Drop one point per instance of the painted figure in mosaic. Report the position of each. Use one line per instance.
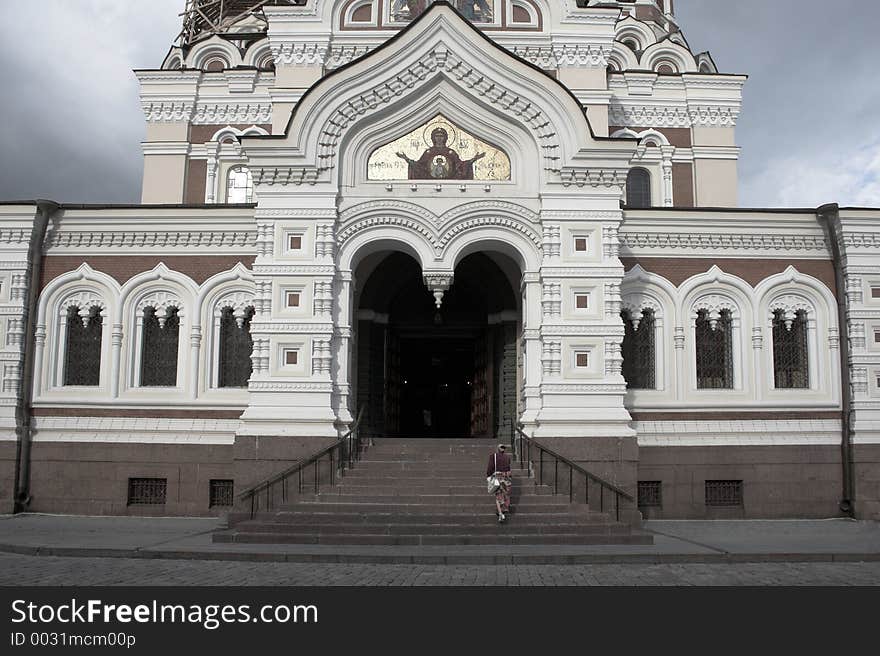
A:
(439, 162)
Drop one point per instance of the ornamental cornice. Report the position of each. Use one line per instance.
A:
(295, 269)
(352, 213)
(648, 116)
(293, 213)
(345, 54)
(586, 177)
(462, 73)
(585, 272)
(713, 116)
(693, 240)
(861, 239)
(285, 175)
(581, 215)
(222, 114)
(168, 111)
(556, 388)
(187, 239)
(557, 330)
(273, 386)
(582, 55)
(300, 54)
(15, 236)
(283, 327)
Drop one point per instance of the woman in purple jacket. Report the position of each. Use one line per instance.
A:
(499, 465)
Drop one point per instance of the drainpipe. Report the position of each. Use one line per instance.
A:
(23, 429)
(829, 215)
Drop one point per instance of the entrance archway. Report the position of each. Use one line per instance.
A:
(424, 371)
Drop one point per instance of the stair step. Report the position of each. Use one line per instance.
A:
(500, 538)
(486, 526)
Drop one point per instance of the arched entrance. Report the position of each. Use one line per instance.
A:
(437, 372)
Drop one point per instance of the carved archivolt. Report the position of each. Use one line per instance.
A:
(714, 304)
(84, 300)
(162, 302)
(790, 305)
(238, 302)
(439, 60)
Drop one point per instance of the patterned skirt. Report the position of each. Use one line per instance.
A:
(503, 493)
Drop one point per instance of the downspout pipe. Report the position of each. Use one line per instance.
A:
(23, 424)
(829, 216)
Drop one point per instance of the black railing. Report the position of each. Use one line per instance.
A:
(339, 456)
(532, 453)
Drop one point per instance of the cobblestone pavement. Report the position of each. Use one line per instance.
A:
(41, 570)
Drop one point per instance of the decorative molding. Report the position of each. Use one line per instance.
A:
(581, 176)
(168, 111)
(284, 176)
(165, 239)
(648, 116)
(283, 386)
(223, 114)
(238, 302)
(300, 54)
(340, 55)
(696, 240)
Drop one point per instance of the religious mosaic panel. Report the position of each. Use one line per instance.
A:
(476, 11)
(438, 150)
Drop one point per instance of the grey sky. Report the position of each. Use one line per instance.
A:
(71, 124)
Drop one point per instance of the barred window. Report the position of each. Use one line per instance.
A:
(159, 348)
(235, 348)
(221, 493)
(714, 350)
(82, 352)
(638, 188)
(147, 491)
(639, 351)
(790, 359)
(724, 494)
(240, 185)
(650, 494)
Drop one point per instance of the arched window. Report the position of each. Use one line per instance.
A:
(82, 351)
(161, 336)
(790, 359)
(639, 359)
(638, 188)
(240, 186)
(235, 348)
(714, 350)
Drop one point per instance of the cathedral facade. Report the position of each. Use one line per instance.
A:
(458, 218)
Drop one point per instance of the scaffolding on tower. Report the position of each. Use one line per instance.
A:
(204, 18)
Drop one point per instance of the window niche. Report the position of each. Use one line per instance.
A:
(639, 349)
(159, 347)
(790, 350)
(235, 347)
(713, 333)
(82, 347)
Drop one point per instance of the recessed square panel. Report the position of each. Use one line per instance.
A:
(582, 359)
(291, 357)
(293, 299)
(294, 242)
(582, 301)
(581, 244)
(875, 292)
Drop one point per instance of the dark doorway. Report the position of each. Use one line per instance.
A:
(437, 373)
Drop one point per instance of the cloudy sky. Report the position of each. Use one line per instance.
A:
(71, 125)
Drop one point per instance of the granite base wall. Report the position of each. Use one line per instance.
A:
(779, 482)
(7, 477)
(92, 478)
(866, 459)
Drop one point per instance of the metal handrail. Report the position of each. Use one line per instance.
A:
(525, 456)
(346, 450)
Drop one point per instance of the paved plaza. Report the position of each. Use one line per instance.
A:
(63, 550)
(36, 570)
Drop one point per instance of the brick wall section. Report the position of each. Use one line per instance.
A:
(196, 177)
(199, 134)
(683, 185)
(124, 267)
(678, 137)
(677, 270)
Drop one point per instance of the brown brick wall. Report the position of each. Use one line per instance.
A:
(677, 270)
(196, 177)
(199, 134)
(678, 137)
(683, 185)
(124, 267)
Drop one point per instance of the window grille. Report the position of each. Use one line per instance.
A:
(221, 493)
(240, 185)
(638, 188)
(235, 349)
(147, 491)
(639, 360)
(790, 359)
(82, 353)
(714, 351)
(650, 494)
(724, 494)
(159, 349)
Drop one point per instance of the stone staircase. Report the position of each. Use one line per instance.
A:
(429, 492)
